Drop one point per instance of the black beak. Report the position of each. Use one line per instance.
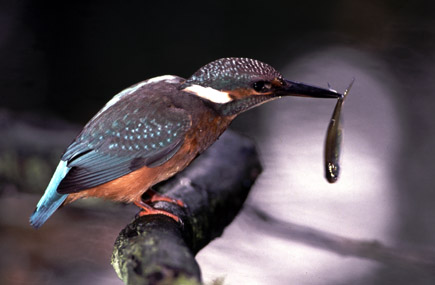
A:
(291, 88)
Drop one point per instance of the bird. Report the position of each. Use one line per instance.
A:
(154, 129)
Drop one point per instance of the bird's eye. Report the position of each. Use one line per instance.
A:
(262, 86)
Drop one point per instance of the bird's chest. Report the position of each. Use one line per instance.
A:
(205, 130)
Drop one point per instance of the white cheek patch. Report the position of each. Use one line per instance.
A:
(209, 93)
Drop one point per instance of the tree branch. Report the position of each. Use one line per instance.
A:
(155, 249)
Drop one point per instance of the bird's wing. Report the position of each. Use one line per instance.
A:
(123, 139)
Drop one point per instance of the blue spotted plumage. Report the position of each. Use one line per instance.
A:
(111, 145)
(154, 129)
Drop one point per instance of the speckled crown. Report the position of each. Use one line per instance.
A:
(232, 72)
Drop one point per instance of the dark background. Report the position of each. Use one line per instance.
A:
(61, 61)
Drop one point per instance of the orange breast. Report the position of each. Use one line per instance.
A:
(131, 186)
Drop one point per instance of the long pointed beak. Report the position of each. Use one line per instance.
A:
(292, 88)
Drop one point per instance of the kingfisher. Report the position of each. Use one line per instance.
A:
(154, 129)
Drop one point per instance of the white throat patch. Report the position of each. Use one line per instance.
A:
(209, 93)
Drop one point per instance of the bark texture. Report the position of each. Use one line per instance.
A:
(157, 250)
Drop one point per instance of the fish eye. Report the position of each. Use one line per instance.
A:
(262, 86)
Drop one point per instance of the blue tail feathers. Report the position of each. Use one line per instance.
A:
(51, 200)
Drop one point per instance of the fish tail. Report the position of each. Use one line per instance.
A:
(51, 200)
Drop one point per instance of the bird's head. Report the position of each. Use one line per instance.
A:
(234, 85)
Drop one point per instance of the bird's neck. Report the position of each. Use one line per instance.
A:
(240, 105)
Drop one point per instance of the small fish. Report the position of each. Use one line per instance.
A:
(334, 137)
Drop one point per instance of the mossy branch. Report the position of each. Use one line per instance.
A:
(157, 250)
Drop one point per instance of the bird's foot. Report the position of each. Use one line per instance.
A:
(148, 210)
(156, 197)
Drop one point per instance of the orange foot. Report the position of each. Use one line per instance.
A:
(156, 197)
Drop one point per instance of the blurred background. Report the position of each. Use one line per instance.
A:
(61, 62)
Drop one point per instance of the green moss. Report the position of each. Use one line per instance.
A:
(197, 231)
(183, 280)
